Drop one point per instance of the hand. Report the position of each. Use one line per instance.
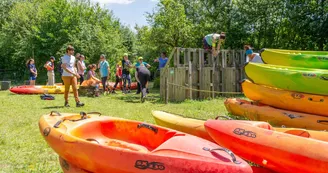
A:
(108, 77)
(78, 76)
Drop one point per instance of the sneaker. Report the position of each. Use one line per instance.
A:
(129, 91)
(79, 104)
(113, 92)
(66, 104)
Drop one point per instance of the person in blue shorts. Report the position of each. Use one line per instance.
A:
(33, 72)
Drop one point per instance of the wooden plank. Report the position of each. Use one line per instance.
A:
(190, 79)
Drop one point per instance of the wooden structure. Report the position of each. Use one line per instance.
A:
(197, 75)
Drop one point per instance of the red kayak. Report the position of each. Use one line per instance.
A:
(38, 89)
(263, 145)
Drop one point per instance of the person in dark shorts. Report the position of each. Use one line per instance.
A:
(143, 77)
(126, 65)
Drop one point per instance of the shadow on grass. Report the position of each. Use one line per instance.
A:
(54, 107)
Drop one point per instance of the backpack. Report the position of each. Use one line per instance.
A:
(47, 97)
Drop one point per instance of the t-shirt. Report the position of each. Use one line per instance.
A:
(257, 59)
(119, 71)
(90, 74)
(162, 62)
(32, 67)
(69, 60)
(125, 66)
(143, 64)
(79, 69)
(209, 38)
(104, 68)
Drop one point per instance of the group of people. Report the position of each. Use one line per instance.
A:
(71, 71)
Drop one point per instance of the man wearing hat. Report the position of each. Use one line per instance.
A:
(126, 65)
(50, 66)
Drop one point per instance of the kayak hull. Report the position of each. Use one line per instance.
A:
(288, 100)
(271, 149)
(305, 80)
(276, 117)
(107, 144)
(308, 59)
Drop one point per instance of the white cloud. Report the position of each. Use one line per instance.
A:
(114, 1)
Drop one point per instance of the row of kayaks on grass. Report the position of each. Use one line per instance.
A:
(94, 143)
(56, 89)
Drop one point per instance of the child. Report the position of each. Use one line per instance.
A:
(91, 77)
(33, 72)
(118, 77)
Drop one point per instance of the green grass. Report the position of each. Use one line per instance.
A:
(23, 149)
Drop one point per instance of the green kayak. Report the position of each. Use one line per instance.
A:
(295, 58)
(306, 80)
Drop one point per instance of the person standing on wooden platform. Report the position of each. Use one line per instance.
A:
(212, 42)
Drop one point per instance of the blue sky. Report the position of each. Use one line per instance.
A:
(130, 12)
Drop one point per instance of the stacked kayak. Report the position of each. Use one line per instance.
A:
(305, 80)
(308, 59)
(39, 89)
(276, 117)
(93, 143)
(275, 150)
(284, 99)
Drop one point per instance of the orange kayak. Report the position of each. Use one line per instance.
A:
(70, 168)
(106, 144)
(283, 99)
(276, 117)
(275, 150)
(92, 82)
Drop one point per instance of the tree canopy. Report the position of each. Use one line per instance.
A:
(43, 28)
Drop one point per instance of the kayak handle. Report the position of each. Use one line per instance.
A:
(223, 116)
(323, 77)
(234, 160)
(58, 123)
(154, 129)
(52, 113)
(83, 117)
(322, 121)
(321, 100)
(92, 140)
(94, 113)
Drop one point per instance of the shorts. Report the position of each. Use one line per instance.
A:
(32, 78)
(206, 45)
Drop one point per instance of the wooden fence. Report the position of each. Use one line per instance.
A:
(196, 74)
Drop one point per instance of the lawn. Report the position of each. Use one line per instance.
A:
(22, 148)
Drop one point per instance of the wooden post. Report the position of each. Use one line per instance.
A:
(166, 90)
(190, 79)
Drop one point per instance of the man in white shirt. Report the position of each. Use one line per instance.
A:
(70, 76)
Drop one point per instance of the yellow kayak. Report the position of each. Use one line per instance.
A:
(196, 127)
